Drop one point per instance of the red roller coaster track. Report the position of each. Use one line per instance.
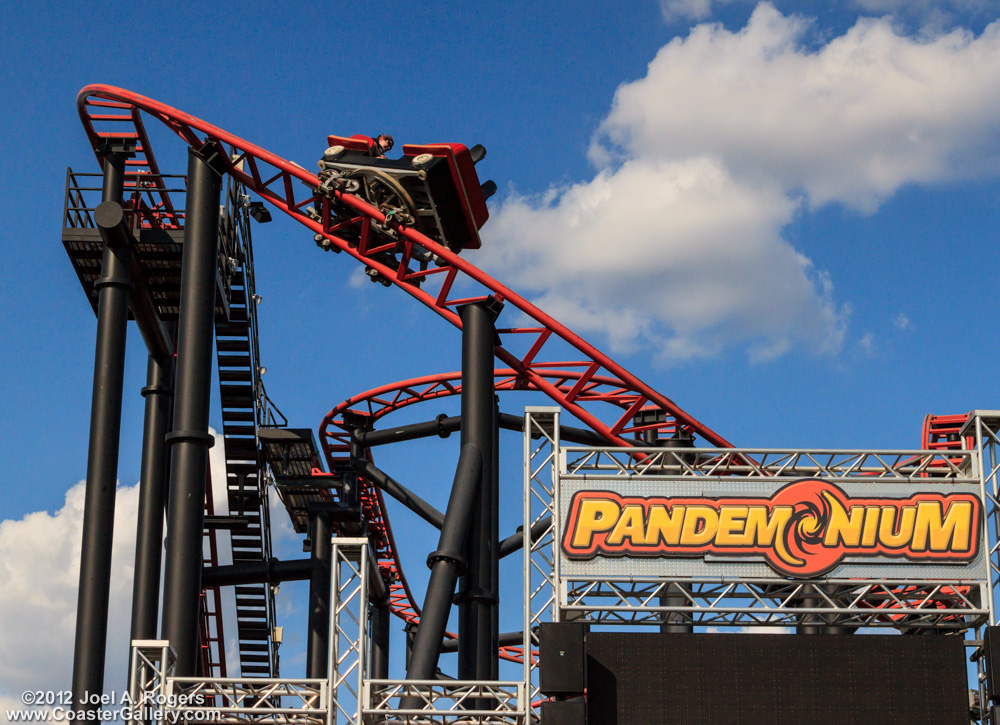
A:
(592, 377)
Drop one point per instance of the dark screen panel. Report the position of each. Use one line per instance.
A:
(644, 679)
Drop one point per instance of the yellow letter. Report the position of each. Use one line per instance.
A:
(594, 515)
(844, 526)
(954, 533)
(732, 522)
(763, 530)
(664, 525)
(871, 525)
(893, 518)
(629, 524)
(700, 525)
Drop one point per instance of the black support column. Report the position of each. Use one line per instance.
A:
(102, 457)
(318, 643)
(190, 438)
(446, 563)
(478, 628)
(153, 478)
(381, 619)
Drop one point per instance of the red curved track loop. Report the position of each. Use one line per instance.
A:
(105, 110)
(335, 438)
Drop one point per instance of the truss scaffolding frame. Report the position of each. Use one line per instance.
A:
(903, 602)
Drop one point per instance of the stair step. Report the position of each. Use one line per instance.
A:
(234, 361)
(242, 448)
(238, 430)
(241, 344)
(236, 376)
(233, 329)
(237, 416)
(251, 601)
(253, 658)
(236, 393)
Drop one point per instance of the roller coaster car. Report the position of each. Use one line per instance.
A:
(434, 187)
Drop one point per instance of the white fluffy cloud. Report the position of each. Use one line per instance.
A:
(679, 252)
(40, 569)
(676, 242)
(40, 565)
(686, 9)
(851, 122)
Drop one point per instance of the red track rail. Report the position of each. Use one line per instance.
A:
(335, 438)
(273, 178)
(112, 113)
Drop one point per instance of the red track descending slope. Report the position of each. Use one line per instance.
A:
(107, 112)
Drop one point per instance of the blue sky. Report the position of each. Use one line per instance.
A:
(781, 216)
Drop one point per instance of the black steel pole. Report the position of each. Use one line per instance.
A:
(442, 426)
(515, 541)
(808, 623)
(257, 572)
(446, 563)
(102, 458)
(318, 642)
(381, 618)
(159, 393)
(398, 491)
(478, 637)
(190, 437)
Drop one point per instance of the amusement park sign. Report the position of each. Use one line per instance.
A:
(803, 529)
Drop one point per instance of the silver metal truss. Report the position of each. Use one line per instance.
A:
(623, 597)
(151, 664)
(770, 463)
(900, 604)
(264, 701)
(984, 428)
(541, 562)
(347, 663)
(454, 701)
(271, 701)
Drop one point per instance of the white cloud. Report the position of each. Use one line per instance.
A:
(685, 9)
(680, 254)
(40, 568)
(851, 122)
(676, 242)
(902, 322)
(40, 561)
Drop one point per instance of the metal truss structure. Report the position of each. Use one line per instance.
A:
(740, 601)
(348, 696)
(348, 622)
(541, 517)
(452, 701)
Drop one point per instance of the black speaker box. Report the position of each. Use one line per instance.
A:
(562, 653)
(991, 651)
(565, 712)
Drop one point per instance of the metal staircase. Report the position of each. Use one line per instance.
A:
(244, 409)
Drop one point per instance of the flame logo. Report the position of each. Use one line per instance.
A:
(804, 550)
